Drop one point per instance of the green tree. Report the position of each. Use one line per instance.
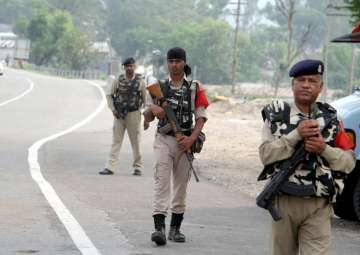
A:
(88, 15)
(207, 43)
(298, 23)
(197, 28)
(251, 59)
(56, 41)
(74, 49)
(208, 46)
(12, 11)
(354, 7)
(210, 8)
(153, 17)
(339, 60)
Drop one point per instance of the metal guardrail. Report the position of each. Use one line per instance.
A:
(74, 74)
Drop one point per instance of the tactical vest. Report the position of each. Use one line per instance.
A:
(182, 101)
(313, 177)
(127, 97)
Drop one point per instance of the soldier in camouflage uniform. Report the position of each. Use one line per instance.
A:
(125, 99)
(305, 199)
(188, 100)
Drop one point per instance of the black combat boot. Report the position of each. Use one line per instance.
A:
(159, 236)
(174, 232)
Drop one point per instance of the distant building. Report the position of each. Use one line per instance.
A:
(12, 46)
(7, 45)
(105, 58)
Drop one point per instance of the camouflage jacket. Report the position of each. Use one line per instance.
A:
(127, 95)
(182, 101)
(323, 173)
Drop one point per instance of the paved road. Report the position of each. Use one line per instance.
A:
(114, 212)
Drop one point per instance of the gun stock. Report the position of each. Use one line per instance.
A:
(155, 91)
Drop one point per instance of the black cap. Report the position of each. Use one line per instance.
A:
(128, 61)
(176, 53)
(179, 53)
(307, 67)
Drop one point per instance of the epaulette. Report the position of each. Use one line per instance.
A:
(277, 111)
(121, 77)
(328, 110)
(327, 107)
(139, 76)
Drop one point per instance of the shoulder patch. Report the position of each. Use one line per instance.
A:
(121, 78)
(139, 76)
(326, 107)
(277, 111)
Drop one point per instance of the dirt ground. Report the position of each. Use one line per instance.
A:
(230, 154)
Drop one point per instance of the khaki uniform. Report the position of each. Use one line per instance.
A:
(172, 171)
(173, 167)
(305, 226)
(132, 124)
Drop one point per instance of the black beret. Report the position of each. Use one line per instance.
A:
(128, 61)
(307, 67)
(176, 53)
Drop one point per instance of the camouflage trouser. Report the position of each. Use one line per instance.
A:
(172, 167)
(305, 228)
(131, 124)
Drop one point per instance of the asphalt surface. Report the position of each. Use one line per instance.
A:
(113, 211)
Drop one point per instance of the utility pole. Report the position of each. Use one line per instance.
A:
(325, 50)
(235, 55)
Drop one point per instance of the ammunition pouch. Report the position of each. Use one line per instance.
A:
(198, 144)
(122, 109)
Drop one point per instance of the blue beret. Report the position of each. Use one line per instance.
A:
(128, 61)
(307, 67)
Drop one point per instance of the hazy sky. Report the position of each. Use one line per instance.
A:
(231, 19)
(262, 3)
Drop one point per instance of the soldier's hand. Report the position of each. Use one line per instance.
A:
(185, 143)
(116, 115)
(308, 128)
(158, 111)
(148, 116)
(315, 144)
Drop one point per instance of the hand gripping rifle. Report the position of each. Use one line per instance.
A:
(267, 196)
(155, 91)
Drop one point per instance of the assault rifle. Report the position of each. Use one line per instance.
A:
(266, 198)
(155, 91)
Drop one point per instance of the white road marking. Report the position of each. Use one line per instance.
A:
(21, 95)
(77, 234)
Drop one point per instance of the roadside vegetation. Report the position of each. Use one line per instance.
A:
(271, 37)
